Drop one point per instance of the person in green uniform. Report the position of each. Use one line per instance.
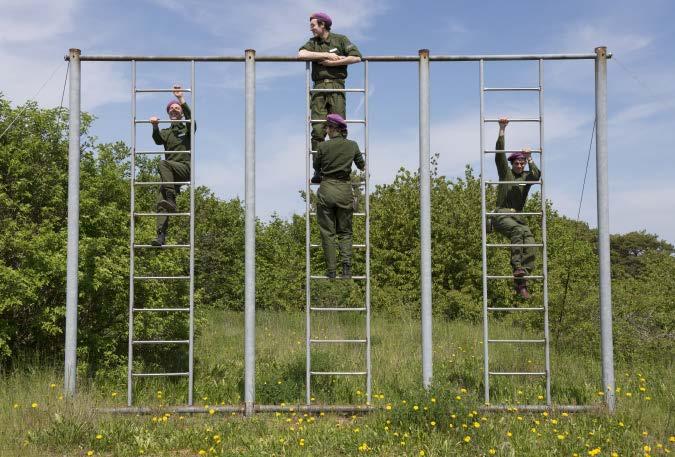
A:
(176, 166)
(334, 208)
(330, 54)
(511, 200)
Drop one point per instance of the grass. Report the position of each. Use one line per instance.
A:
(36, 420)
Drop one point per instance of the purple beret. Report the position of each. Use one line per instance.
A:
(322, 17)
(336, 120)
(517, 155)
(171, 102)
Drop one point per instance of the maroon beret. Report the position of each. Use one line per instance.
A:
(517, 155)
(336, 120)
(172, 102)
(322, 17)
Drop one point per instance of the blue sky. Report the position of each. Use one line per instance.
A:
(35, 34)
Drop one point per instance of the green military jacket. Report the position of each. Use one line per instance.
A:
(340, 45)
(512, 196)
(334, 158)
(176, 137)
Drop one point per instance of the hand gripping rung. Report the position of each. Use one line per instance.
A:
(510, 151)
(518, 119)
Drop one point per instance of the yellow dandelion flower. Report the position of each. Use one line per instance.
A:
(416, 407)
(99, 437)
(648, 398)
(600, 393)
(90, 452)
(540, 397)
(629, 394)
(620, 424)
(402, 443)
(212, 411)
(545, 414)
(554, 421)
(301, 442)
(595, 451)
(388, 407)
(467, 438)
(647, 448)
(433, 423)
(645, 433)
(565, 414)
(463, 390)
(476, 425)
(671, 439)
(561, 437)
(201, 452)
(492, 451)
(519, 418)
(33, 405)
(16, 405)
(509, 434)
(615, 454)
(642, 389)
(454, 416)
(422, 453)
(433, 400)
(114, 394)
(458, 397)
(52, 386)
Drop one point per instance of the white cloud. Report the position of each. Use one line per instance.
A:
(583, 36)
(33, 20)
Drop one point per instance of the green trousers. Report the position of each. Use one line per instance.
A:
(324, 103)
(515, 229)
(170, 171)
(334, 215)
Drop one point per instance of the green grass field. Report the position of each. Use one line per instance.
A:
(35, 419)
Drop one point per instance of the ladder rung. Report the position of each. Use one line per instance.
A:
(145, 375)
(510, 151)
(160, 277)
(321, 308)
(161, 214)
(162, 152)
(161, 90)
(512, 182)
(363, 214)
(538, 213)
(163, 121)
(511, 245)
(354, 184)
(338, 373)
(161, 342)
(518, 119)
(138, 310)
(348, 121)
(507, 89)
(517, 373)
(513, 277)
(355, 246)
(516, 341)
(337, 90)
(514, 309)
(338, 341)
(161, 183)
(164, 246)
(337, 277)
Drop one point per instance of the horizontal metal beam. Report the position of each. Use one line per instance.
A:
(161, 183)
(510, 151)
(511, 89)
(338, 278)
(164, 246)
(160, 277)
(354, 246)
(517, 341)
(163, 121)
(512, 245)
(517, 373)
(337, 341)
(161, 214)
(322, 308)
(517, 119)
(142, 91)
(338, 373)
(348, 121)
(161, 152)
(239, 409)
(513, 277)
(514, 309)
(533, 213)
(137, 310)
(156, 375)
(540, 408)
(512, 182)
(161, 342)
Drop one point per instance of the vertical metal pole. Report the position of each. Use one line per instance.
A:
(486, 360)
(366, 147)
(308, 323)
(70, 365)
(132, 237)
(425, 219)
(191, 363)
(547, 355)
(603, 227)
(249, 305)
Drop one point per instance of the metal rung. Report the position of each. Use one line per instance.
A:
(509, 151)
(516, 341)
(336, 90)
(161, 342)
(161, 214)
(164, 246)
(507, 89)
(320, 308)
(161, 183)
(146, 375)
(521, 119)
(160, 277)
(138, 310)
(337, 277)
(511, 245)
(514, 214)
(355, 246)
(338, 341)
(517, 373)
(348, 121)
(163, 152)
(338, 373)
(362, 214)
(354, 184)
(514, 309)
(512, 182)
(513, 277)
(163, 121)
(161, 90)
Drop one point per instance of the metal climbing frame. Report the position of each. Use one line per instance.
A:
(487, 310)
(133, 247)
(309, 309)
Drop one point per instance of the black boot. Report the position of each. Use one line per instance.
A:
(346, 270)
(161, 237)
(168, 203)
(330, 274)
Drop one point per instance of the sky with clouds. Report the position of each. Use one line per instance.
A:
(35, 35)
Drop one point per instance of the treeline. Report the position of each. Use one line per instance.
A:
(33, 232)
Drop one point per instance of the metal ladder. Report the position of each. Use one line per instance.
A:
(133, 247)
(309, 309)
(487, 341)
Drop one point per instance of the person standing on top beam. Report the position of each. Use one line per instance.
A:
(334, 208)
(330, 54)
(176, 166)
(511, 199)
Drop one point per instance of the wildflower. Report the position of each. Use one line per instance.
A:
(561, 437)
(645, 433)
(422, 453)
(90, 452)
(540, 397)
(467, 438)
(463, 390)
(16, 405)
(476, 424)
(671, 439)
(416, 407)
(52, 385)
(648, 398)
(212, 411)
(647, 448)
(34, 405)
(519, 418)
(629, 394)
(492, 451)
(201, 452)
(99, 437)
(364, 447)
(601, 393)
(458, 397)
(615, 454)
(433, 400)
(565, 414)
(114, 394)
(509, 434)
(595, 451)
(301, 442)
(620, 424)
(642, 389)
(554, 421)
(388, 407)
